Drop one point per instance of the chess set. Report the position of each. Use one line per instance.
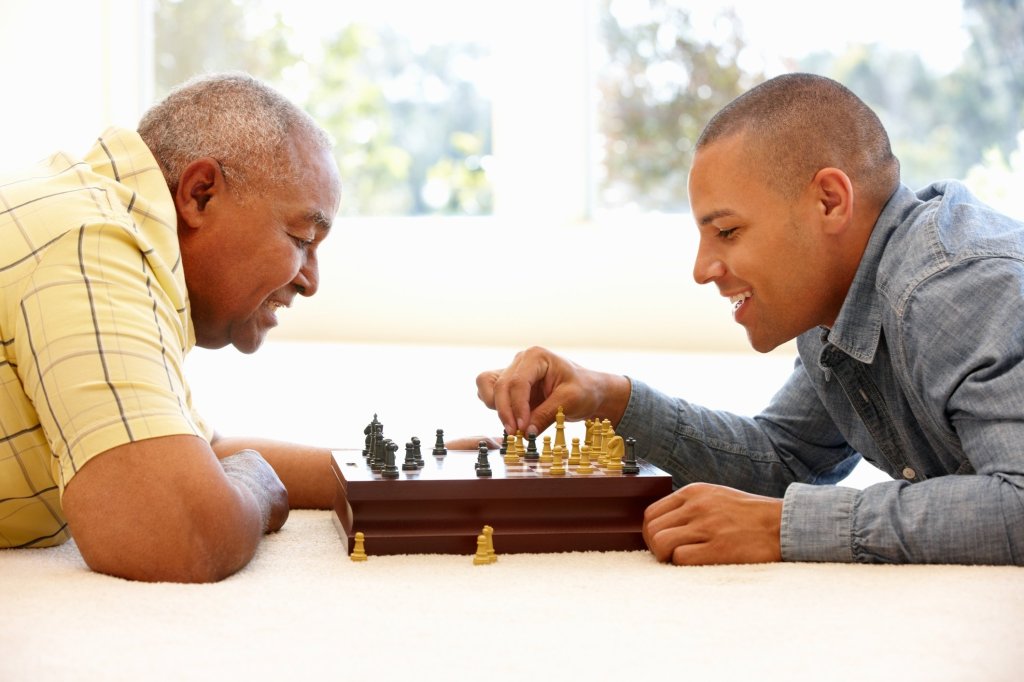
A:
(590, 495)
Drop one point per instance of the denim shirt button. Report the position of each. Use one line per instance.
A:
(909, 473)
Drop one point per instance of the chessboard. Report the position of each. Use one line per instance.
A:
(438, 501)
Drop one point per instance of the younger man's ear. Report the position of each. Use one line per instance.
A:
(834, 194)
(199, 182)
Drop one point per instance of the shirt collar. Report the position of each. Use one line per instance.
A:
(858, 327)
(123, 156)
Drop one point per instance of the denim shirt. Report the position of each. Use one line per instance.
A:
(922, 374)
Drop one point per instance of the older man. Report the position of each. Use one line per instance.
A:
(195, 230)
(906, 308)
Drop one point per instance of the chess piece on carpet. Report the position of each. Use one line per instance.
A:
(359, 550)
(481, 557)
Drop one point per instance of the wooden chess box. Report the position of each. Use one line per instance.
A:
(442, 507)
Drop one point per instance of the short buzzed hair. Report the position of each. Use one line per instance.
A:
(243, 123)
(798, 123)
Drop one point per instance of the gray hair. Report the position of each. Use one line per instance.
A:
(798, 123)
(243, 123)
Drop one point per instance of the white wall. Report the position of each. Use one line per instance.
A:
(515, 282)
(71, 68)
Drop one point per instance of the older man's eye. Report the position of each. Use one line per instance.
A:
(302, 242)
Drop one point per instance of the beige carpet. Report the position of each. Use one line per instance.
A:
(302, 610)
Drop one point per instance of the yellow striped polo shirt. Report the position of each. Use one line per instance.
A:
(94, 325)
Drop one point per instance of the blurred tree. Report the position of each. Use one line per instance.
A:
(401, 116)
(996, 59)
(990, 84)
(194, 37)
(998, 179)
(348, 100)
(445, 121)
(660, 85)
(663, 81)
(942, 124)
(903, 92)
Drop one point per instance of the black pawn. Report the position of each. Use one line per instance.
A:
(377, 454)
(410, 463)
(416, 450)
(629, 463)
(439, 449)
(483, 466)
(390, 470)
(504, 442)
(531, 448)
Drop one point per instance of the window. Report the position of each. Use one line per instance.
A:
(611, 93)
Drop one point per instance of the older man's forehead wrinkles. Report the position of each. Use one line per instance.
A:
(715, 215)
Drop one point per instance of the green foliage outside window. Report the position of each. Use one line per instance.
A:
(414, 136)
(400, 151)
(941, 125)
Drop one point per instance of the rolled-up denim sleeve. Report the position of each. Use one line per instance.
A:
(817, 523)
